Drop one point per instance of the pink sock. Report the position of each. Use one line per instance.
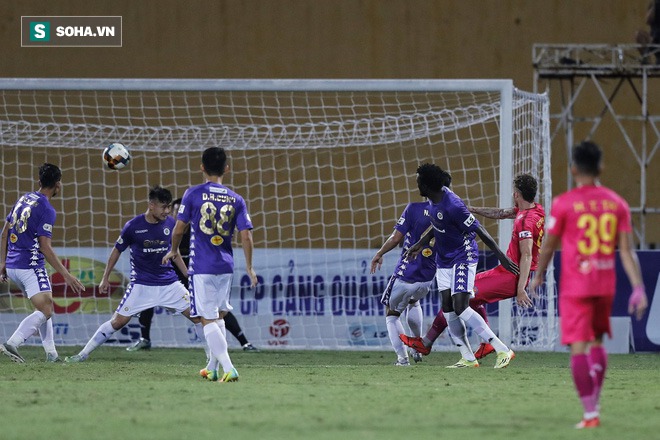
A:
(597, 366)
(583, 382)
(439, 325)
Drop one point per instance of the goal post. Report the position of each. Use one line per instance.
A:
(326, 167)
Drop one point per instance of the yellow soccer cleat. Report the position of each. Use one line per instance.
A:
(464, 363)
(504, 358)
(230, 376)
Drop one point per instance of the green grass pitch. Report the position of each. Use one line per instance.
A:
(317, 395)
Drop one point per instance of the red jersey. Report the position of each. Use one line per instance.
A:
(527, 225)
(589, 220)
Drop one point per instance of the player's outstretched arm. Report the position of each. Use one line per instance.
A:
(416, 248)
(3, 252)
(504, 260)
(46, 249)
(394, 240)
(494, 213)
(112, 262)
(248, 246)
(638, 302)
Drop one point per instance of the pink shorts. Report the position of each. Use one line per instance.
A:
(584, 319)
(494, 285)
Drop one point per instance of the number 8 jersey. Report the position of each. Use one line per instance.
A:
(213, 211)
(589, 220)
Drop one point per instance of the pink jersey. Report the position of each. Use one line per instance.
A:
(528, 225)
(588, 219)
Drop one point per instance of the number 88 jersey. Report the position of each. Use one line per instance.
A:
(213, 211)
(32, 216)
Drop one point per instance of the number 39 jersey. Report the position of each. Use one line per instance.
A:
(589, 220)
(213, 211)
(33, 216)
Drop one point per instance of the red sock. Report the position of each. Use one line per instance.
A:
(597, 367)
(583, 382)
(481, 310)
(439, 325)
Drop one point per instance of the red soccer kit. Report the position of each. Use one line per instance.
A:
(498, 283)
(589, 220)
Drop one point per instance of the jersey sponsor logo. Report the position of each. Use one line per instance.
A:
(182, 208)
(401, 221)
(525, 234)
(217, 240)
(218, 190)
(468, 221)
(120, 240)
(48, 227)
(166, 231)
(141, 231)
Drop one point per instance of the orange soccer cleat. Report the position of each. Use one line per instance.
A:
(484, 350)
(588, 423)
(415, 343)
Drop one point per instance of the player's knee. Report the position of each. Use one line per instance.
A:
(390, 312)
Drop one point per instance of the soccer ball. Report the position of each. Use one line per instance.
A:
(116, 156)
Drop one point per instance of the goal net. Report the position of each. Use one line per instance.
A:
(326, 168)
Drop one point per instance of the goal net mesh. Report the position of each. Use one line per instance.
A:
(325, 174)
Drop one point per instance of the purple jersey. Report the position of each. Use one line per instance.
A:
(32, 217)
(149, 242)
(454, 230)
(213, 211)
(412, 224)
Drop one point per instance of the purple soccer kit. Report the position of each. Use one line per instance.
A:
(213, 211)
(148, 243)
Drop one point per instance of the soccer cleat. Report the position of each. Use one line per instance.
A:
(250, 347)
(504, 358)
(53, 357)
(76, 358)
(415, 343)
(484, 350)
(11, 352)
(402, 363)
(211, 375)
(464, 363)
(141, 344)
(588, 423)
(230, 376)
(416, 355)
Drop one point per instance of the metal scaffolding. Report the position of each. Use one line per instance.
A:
(567, 71)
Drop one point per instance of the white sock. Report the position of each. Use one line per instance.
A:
(47, 337)
(459, 335)
(199, 332)
(414, 319)
(29, 326)
(394, 329)
(218, 344)
(102, 334)
(477, 323)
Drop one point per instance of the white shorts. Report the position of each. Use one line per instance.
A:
(398, 293)
(139, 297)
(459, 278)
(31, 281)
(210, 295)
